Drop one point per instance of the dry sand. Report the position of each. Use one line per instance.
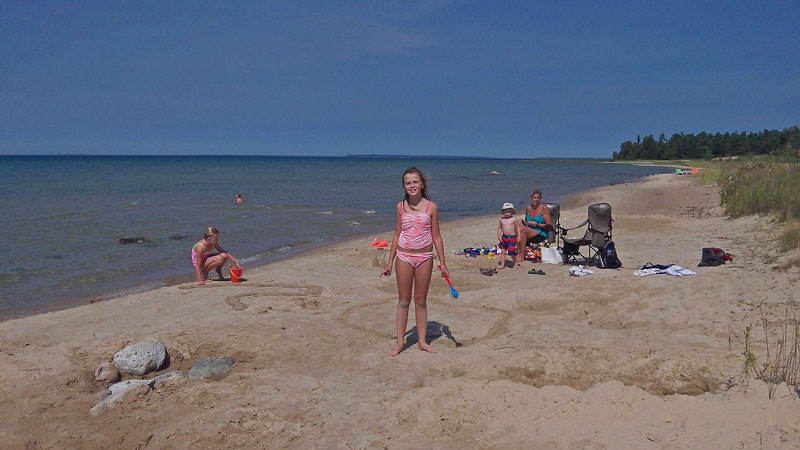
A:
(525, 361)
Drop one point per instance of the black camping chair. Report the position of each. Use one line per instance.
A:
(598, 233)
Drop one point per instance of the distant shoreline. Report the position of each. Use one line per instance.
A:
(348, 156)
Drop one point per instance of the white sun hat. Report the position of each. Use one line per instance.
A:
(507, 205)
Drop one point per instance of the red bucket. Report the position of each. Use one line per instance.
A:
(236, 274)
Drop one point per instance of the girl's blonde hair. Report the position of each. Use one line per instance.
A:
(210, 231)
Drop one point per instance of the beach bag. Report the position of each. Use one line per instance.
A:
(609, 258)
(713, 256)
(551, 255)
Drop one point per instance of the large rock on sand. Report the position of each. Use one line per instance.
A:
(145, 356)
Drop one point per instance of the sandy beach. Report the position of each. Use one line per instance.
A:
(607, 360)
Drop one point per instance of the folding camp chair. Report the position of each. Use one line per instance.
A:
(598, 233)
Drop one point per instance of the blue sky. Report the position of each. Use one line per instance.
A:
(472, 78)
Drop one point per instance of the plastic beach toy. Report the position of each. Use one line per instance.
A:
(236, 274)
(384, 243)
(453, 291)
(375, 242)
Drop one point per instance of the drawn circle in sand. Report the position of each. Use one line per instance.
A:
(457, 322)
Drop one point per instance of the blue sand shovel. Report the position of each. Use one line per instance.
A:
(453, 291)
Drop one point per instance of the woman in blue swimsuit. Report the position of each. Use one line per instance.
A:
(534, 224)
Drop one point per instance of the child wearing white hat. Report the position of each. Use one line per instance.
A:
(507, 231)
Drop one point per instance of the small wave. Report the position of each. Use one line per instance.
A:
(283, 249)
(149, 286)
(324, 212)
(353, 223)
(368, 211)
(248, 259)
(133, 203)
(263, 206)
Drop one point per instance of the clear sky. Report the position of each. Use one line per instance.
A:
(472, 78)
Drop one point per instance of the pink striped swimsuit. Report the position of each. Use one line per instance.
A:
(415, 234)
(202, 257)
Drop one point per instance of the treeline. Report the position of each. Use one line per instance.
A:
(708, 146)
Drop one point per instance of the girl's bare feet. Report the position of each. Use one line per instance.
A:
(396, 351)
(428, 348)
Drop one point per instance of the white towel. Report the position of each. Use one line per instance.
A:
(579, 271)
(678, 271)
(646, 272)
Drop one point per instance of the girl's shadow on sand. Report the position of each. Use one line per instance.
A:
(435, 331)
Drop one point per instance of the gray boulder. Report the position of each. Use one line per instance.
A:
(213, 367)
(140, 358)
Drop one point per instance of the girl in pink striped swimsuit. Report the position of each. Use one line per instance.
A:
(204, 261)
(416, 235)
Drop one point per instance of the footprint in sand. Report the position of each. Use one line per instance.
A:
(236, 303)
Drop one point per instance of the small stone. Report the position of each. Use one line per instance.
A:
(123, 386)
(213, 367)
(106, 372)
(133, 240)
(168, 378)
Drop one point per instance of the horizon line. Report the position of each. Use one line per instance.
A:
(356, 155)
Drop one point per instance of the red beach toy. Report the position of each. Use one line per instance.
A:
(236, 274)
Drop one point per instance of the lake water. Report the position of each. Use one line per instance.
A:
(63, 216)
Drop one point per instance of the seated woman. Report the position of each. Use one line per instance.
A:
(535, 224)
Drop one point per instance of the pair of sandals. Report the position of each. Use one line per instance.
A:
(536, 272)
(488, 272)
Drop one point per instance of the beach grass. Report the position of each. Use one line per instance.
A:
(781, 343)
(765, 185)
(791, 237)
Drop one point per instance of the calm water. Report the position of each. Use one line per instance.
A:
(63, 216)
